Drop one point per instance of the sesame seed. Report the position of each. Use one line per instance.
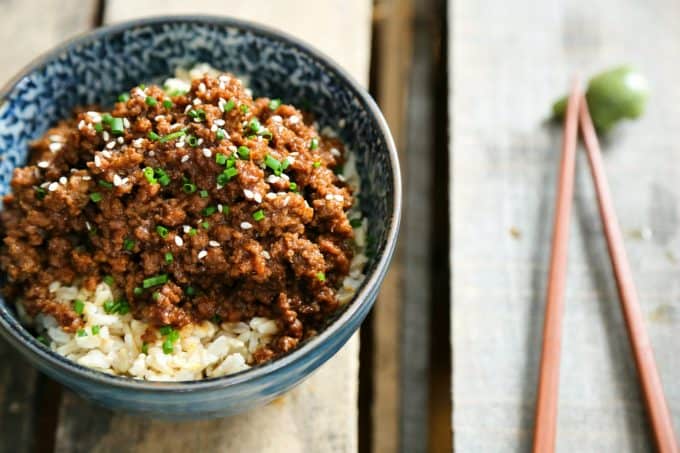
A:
(342, 122)
(196, 101)
(152, 153)
(276, 118)
(94, 116)
(285, 177)
(126, 123)
(137, 143)
(81, 125)
(273, 179)
(184, 158)
(232, 148)
(56, 138)
(257, 197)
(201, 87)
(157, 118)
(178, 241)
(329, 197)
(179, 145)
(186, 228)
(139, 92)
(202, 254)
(43, 164)
(105, 136)
(294, 119)
(55, 146)
(187, 108)
(106, 154)
(341, 178)
(270, 195)
(335, 152)
(246, 225)
(45, 184)
(213, 244)
(199, 141)
(110, 145)
(224, 78)
(266, 254)
(97, 161)
(248, 193)
(53, 186)
(207, 152)
(219, 122)
(63, 180)
(87, 178)
(87, 225)
(117, 180)
(120, 140)
(213, 128)
(124, 181)
(248, 92)
(220, 208)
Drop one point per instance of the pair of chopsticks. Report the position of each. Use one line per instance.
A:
(546, 407)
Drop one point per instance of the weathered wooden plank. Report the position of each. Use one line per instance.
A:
(29, 34)
(320, 415)
(508, 61)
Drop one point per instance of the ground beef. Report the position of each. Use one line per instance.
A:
(199, 205)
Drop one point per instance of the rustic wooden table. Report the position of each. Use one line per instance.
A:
(508, 62)
(320, 415)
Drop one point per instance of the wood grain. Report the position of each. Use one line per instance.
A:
(508, 62)
(321, 414)
(29, 34)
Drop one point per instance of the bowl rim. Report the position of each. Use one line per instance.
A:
(30, 346)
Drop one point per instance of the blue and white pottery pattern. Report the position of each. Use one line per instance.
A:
(95, 68)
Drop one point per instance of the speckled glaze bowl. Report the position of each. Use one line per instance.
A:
(94, 69)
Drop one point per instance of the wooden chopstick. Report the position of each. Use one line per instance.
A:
(661, 422)
(549, 376)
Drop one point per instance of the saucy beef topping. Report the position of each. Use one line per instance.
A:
(201, 205)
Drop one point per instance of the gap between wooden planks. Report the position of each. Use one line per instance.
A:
(321, 414)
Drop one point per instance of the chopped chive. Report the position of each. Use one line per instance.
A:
(193, 232)
(192, 141)
(165, 330)
(273, 164)
(40, 193)
(168, 104)
(172, 136)
(293, 186)
(108, 279)
(274, 104)
(151, 101)
(95, 330)
(188, 187)
(173, 335)
(145, 348)
(123, 97)
(244, 152)
(96, 197)
(190, 291)
(231, 161)
(117, 127)
(205, 225)
(203, 193)
(162, 231)
(156, 295)
(149, 175)
(123, 307)
(219, 134)
(105, 184)
(243, 108)
(229, 105)
(78, 306)
(162, 176)
(81, 333)
(355, 223)
(153, 136)
(129, 244)
(210, 210)
(169, 258)
(258, 215)
(221, 159)
(154, 281)
(138, 291)
(317, 164)
(168, 346)
(321, 277)
(98, 127)
(107, 118)
(314, 143)
(226, 176)
(198, 114)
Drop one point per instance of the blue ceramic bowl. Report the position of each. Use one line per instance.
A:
(95, 68)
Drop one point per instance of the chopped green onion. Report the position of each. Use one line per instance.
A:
(314, 143)
(274, 164)
(40, 193)
(192, 141)
(108, 279)
(243, 152)
(355, 223)
(81, 333)
(188, 187)
(225, 210)
(163, 177)
(43, 340)
(107, 118)
(243, 108)
(153, 136)
(221, 159)
(173, 136)
(168, 104)
(274, 104)
(96, 197)
(203, 193)
(190, 291)
(317, 164)
(219, 134)
(293, 186)
(193, 232)
(255, 125)
(149, 175)
(258, 215)
(169, 258)
(145, 348)
(165, 330)
(162, 231)
(229, 105)
(168, 346)
(154, 281)
(198, 114)
(226, 176)
(285, 164)
(78, 306)
(138, 291)
(210, 210)
(117, 127)
(129, 244)
(151, 101)
(123, 97)
(142, 86)
(173, 335)
(98, 127)
(231, 161)
(321, 277)
(123, 307)
(205, 225)
(156, 295)
(95, 330)
(105, 184)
